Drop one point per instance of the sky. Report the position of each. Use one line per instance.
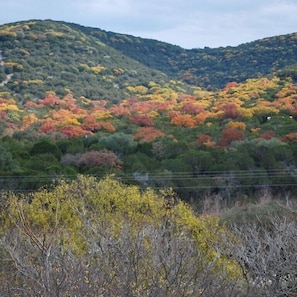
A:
(187, 23)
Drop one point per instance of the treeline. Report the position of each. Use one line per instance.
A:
(245, 170)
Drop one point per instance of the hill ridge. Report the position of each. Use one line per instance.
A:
(189, 64)
(67, 54)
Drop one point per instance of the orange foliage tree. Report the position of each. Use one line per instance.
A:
(204, 139)
(108, 126)
(141, 120)
(290, 137)
(148, 134)
(184, 120)
(238, 125)
(90, 124)
(229, 135)
(28, 120)
(73, 131)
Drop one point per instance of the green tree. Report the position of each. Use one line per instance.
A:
(71, 146)
(45, 147)
(119, 142)
(7, 163)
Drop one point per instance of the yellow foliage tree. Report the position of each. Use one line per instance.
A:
(87, 236)
(28, 120)
(238, 125)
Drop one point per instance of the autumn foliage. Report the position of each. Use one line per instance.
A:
(148, 134)
(290, 138)
(141, 120)
(154, 110)
(204, 139)
(183, 120)
(229, 135)
(93, 159)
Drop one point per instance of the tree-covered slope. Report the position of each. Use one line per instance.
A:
(40, 56)
(70, 103)
(43, 56)
(207, 67)
(237, 141)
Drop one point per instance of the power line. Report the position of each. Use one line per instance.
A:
(235, 179)
(170, 175)
(164, 173)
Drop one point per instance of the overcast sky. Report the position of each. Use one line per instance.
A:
(187, 23)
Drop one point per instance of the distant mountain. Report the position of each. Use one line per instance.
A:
(39, 56)
(208, 67)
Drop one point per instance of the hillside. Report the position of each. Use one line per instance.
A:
(40, 56)
(71, 104)
(43, 56)
(237, 141)
(207, 67)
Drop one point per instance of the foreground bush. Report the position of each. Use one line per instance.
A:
(103, 238)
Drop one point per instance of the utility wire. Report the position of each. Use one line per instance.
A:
(205, 180)
(176, 175)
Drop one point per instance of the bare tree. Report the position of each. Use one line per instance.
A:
(267, 256)
(154, 261)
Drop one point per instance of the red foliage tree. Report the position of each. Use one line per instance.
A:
(98, 158)
(162, 106)
(32, 104)
(267, 134)
(186, 97)
(48, 126)
(92, 159)
(3, 115)
(230, 111)
(120, 110)
(90, 124)
(141, 120)
(73, 131)
(231, 84)
(49, 100)
(192, 108)
(229, 135)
